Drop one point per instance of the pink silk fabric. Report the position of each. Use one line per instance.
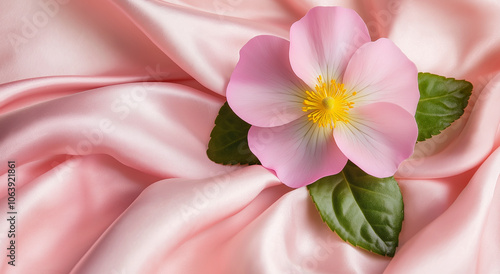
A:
(107, 109)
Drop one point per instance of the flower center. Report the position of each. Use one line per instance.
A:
(328, 103)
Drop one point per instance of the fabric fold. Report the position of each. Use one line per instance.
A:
(448, 239)
(192, 208)
(106, 108)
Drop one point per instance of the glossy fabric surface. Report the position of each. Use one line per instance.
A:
(107, 108)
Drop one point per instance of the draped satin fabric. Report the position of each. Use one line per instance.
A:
(107, 107)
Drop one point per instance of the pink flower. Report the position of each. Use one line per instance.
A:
(326, 96)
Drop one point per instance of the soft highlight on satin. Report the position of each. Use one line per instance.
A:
(107, 108)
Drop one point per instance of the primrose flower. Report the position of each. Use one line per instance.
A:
(328, 95)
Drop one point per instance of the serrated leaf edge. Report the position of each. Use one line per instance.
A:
(435, 132)
(323, 218)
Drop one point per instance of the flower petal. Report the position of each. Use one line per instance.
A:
(323, 41)
(299, 152)
(378, 137)
(263, 89)
(380, 72)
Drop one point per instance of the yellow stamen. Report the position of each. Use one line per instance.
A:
(328, 104)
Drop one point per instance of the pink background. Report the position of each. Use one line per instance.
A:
(107, 108)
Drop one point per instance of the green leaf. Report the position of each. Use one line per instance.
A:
(228, 144)
(442, 101)
(363, 210)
